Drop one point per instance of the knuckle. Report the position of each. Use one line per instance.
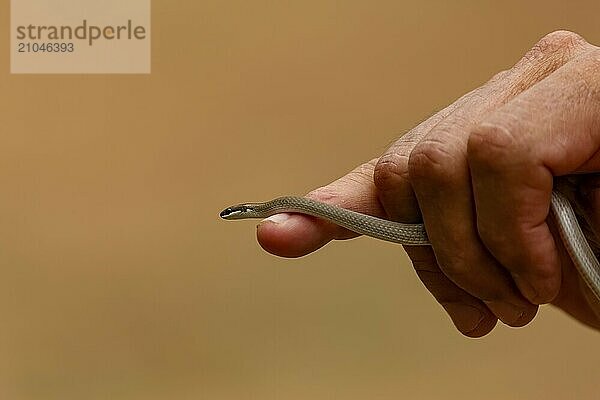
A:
(557, 41)
(546, 56)
(431, 161)
(391, 171)
(491, 145)
(549, 53)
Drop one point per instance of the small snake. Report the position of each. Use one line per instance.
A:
(415, 235)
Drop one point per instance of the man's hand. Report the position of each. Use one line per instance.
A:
(479, 174)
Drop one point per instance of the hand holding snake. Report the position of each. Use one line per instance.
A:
(480, 175)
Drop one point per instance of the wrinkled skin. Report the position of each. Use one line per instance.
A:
(479, 174)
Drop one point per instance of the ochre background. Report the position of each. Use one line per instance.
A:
(118, 279)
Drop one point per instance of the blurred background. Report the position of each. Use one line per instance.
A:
(118, 279)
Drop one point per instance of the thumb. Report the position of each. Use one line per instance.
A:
(295, 235)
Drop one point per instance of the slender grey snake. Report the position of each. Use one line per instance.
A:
(415, 235)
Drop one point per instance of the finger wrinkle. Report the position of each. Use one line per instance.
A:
(389, 172)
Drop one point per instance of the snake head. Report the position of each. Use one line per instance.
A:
(235, 212)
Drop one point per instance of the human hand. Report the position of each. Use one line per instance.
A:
(479, 174)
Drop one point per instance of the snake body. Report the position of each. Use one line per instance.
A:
(415, 235)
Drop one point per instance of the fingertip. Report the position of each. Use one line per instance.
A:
(513, 315)
(537, 290)
(485, 327)
(470, 320)
(291, 235)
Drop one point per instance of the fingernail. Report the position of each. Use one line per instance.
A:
(277, 218)
(466, 318)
